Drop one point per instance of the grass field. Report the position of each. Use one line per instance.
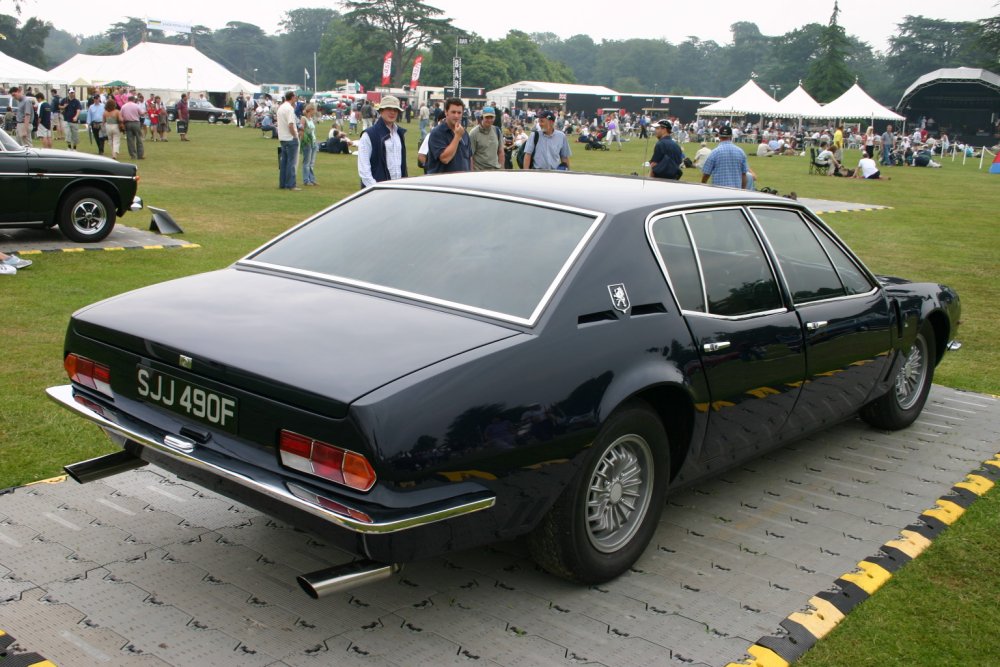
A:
(222, 189)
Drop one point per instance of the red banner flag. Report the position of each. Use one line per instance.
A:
(387, 68)
(415, 77)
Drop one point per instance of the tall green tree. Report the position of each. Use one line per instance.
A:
(922, 45)
(410, 25)
(988, 42)
(245, 50)
(301, 36)
(27, 42)
(350, 51)
(829, 74)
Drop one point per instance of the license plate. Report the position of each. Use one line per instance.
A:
(186, 398)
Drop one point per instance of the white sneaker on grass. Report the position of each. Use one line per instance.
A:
(17, 262)
(7, 269)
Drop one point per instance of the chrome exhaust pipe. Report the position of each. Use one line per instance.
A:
(103, 466)
(342, 577)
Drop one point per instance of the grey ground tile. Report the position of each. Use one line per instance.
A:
(144, 569)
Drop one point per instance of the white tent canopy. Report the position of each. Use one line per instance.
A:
(14, 71)
(856, 103)
(749, 99)
(149, 66)
(800, 104)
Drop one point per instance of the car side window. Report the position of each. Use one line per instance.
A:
(810, 275)
(738, 278)
(854, 279)
(677, 255)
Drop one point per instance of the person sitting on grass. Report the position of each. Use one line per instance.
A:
(867, 169)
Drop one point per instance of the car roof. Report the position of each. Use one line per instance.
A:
(598, 192)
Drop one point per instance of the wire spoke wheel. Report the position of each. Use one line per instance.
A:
(913, 375)
(619, 493)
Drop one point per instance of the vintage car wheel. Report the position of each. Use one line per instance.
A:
(902, 404)
(170, 116)
(211, 119)
(603, 521)
(87, 215)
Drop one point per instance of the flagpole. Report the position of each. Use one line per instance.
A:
(315, 75)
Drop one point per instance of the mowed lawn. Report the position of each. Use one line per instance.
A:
(222, 189)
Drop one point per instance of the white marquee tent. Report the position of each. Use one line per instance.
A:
(15, 72)
(800, 104)
(856, 103)
(749, 99)
(155, 67)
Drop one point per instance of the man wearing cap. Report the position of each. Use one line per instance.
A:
(552, 150)
(487, 143)
(71, 108)
(667, 155)
(382, 149)
(449, 148)
(727, 165)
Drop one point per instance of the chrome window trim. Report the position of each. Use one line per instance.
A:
(683, 210)
(760, 313)
(530, 321)
(850, 256)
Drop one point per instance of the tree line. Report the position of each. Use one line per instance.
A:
(349, 44)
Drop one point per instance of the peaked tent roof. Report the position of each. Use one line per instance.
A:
(155, 66)
(748, 99)
(551, 87)
(800, 104)
(14, 71)
(856, 103)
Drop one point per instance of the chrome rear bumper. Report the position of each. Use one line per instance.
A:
(266, 484)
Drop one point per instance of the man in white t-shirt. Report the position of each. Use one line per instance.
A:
(288, 135)
(867, 169)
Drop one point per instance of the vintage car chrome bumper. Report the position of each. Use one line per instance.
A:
(265, 484)
(136, 204)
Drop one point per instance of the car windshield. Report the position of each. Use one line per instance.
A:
(492, 256)
(9, 145)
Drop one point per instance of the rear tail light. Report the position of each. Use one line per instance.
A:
(318, 458)
(88, 373)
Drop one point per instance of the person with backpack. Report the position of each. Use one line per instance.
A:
(487, 143)
(667, 155)
(547, 147)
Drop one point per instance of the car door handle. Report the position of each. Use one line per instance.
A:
(715, 347)
(814, 326)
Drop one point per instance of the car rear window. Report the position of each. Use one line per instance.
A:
(493, 256)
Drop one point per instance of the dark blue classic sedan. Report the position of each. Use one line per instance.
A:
(448, 361)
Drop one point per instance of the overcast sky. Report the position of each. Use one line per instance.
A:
(870, 20)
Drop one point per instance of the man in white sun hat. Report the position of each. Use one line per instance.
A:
(382, 149)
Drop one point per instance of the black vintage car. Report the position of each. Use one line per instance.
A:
(83, 194)
(447, 361)
(202, 110)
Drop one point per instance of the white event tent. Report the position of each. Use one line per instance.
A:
(800, 104)
(856, 103)
(749, 99)
(15, 72)
(159, 68)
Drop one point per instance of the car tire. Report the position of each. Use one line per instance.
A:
(902, 404)
(170, 117)
(87, 215)
(211, 119)
(593, 534)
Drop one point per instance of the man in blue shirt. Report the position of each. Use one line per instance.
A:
(71, 109)
(727, 165)
(449, 149)
(667, 155)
